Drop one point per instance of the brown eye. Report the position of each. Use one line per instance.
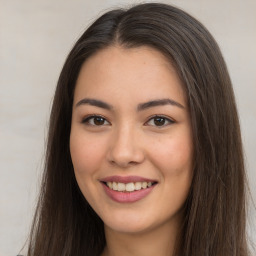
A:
(159, 121)
(98, 120)
(95, 121)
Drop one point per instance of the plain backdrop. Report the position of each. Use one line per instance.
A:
(35, 38)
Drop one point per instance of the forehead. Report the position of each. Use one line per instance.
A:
(140, 72)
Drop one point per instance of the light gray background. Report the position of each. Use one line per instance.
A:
(36, 36)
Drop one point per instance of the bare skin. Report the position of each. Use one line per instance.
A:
(143, 243)
(139, 126)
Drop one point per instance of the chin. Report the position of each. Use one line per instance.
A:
(126, 223)
(127, 227)
(139, 222)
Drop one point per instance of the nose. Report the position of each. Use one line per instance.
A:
(125, 148)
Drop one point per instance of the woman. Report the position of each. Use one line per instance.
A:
(144, 151)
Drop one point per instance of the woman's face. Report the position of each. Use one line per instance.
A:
(131, 141)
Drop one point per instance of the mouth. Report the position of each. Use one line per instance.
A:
(127, 189)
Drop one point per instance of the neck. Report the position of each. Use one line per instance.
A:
(159, 241)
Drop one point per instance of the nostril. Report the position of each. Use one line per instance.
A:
(125, 152)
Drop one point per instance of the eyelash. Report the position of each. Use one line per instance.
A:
(152, 118)
(166, 120)
(87, 120)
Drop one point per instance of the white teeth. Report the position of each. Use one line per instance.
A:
(114, 186)
(137, 185)
(110, 184)
(129, 187)
(120, 186)
(144, 184)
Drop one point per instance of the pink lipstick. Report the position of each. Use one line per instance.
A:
(127, 189)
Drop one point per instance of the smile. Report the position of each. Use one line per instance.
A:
(129, 187)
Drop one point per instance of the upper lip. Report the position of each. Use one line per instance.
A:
(126, 179)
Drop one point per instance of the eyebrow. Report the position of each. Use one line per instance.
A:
(141, 106)
(160, 102)
(94, 102)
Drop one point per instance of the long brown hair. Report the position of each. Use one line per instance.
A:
(214, 222)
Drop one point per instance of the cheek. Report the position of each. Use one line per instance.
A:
(86, 155)
(175, 162)
(174, 154)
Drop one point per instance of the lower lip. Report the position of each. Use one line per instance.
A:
(127, 197)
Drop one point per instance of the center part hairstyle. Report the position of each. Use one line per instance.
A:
(214, 212)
